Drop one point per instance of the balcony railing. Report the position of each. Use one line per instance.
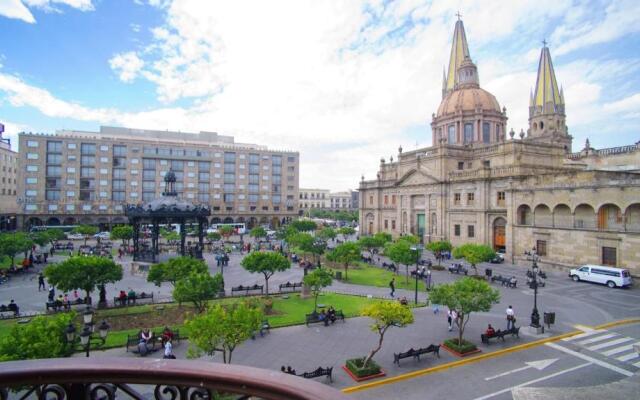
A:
(119, 378)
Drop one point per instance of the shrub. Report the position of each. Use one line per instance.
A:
(465, 347)
(437, 268)
(355, 366)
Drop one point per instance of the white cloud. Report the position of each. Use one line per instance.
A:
(127, 65)
(15, 9)
(11, 131)
(49, 5)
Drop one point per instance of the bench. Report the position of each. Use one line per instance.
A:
(247, 289)
(290, 287)
(318, 372)
(500, 334)
(391, 267)
(432, 348)
(124, 301)
(314, 317)
(57, 305)
(505, 281)
(156, 341)
(8, 312)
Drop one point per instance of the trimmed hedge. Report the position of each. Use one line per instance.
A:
(437, 268)
(355, 366)
(464, 348)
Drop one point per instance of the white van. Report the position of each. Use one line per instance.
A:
(610, 276)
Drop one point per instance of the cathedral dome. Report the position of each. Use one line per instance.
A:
(468, 99)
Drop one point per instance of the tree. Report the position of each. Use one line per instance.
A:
(175, 269)
(411, 239)
(383, 236)
(122, 232)
(258, 232)
(439, 247)
(12, 244)
(86, 231)
(55, 234)
(226, 230)
(304, 225)
(474, 254)
(214, 236)
(267, 263)
(317, 280)
(285, 232)
(304, 242)
(41, 238)
(385, 314)
(345, 254)
(465, 296)
(198, 287)
(370, 242)
(172, 237)
(83, 272)
(222, 328)
(43, 337)
(346, 231)
(402, 252)
(327, 233)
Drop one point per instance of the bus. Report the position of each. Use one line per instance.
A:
(63, 228)
(239, 228)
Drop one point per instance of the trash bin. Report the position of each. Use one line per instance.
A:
(338, 275)
(549, 319)
(488, 272)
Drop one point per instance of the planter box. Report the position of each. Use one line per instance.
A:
(363, 378)
(455, 353)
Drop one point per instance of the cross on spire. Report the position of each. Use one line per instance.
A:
(544, 42)
(458, 15)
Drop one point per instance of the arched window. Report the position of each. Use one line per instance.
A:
(541, 125)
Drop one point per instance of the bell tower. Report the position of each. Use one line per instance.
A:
(547, 120)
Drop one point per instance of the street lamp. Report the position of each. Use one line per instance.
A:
(535, 316)
(85, 337)
(417, 250)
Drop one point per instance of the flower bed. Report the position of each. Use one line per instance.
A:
(461, 350)
(354, 368)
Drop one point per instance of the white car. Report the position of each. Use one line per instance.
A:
(74, 236)
(610, 276)
(102, 235)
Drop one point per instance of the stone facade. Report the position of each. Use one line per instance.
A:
(8, 184)
(477, 185)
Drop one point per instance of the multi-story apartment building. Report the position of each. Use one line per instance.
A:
(313, 198)
(8, 182)
(77, 177)
(340, 201)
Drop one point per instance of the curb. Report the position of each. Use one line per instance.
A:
(618, 323)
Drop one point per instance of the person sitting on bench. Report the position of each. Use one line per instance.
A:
(404, 301)
(490, 331)
(331, 316)
(146, 335)
(122, 297)
(14, 307)
(323, 317)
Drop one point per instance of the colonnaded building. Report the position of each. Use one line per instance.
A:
(478, 183)
(79, 177)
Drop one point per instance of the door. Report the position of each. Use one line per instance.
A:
(421, 226)
(499, 234)
(609, 256)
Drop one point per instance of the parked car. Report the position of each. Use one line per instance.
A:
(610, 276)
(74, 236)
(102, 235)
(498, 259)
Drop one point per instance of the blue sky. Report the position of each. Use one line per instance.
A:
(344, 83)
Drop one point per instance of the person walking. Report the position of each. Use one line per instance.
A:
(511, 318)
(392, 286)
(52, 293)
(450, 319)
(41, 282)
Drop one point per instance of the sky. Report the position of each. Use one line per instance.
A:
(342, 82)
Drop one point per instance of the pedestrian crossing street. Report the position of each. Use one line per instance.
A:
(609, 344)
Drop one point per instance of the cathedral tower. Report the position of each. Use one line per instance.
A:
(546, 106)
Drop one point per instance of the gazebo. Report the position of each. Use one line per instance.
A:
(167, 209)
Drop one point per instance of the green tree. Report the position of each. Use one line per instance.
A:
(222, 328)
(41, 238)
(465, 296)
(327, 233)
(43, 337)
(439, 247)
(370, 242)
(411, 239)
(12, 244)
(385, 314)
(307, 244)
(267, 263)
(226, 231)
(285, 232)
(122, 232)
(175, 269)
(346, 230)
(304, 225)
(214, 236)
(316, 280)
(83, 273)
(86, 230)
(197, 288)
(384, 237)
(474, 254)
(345, 254)
(258, 232)
(402, 252)
(172, 237)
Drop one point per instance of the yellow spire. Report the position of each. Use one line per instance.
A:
(459, 50)
(546, 96)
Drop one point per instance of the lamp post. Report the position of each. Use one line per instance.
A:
(417, 250)
(535, 316)
(85, 337)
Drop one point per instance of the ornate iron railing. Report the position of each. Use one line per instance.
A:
(145, 378)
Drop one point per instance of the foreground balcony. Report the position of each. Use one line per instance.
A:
(147, 378)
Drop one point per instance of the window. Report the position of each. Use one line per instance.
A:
(104, 147)
(370, 199)
(32, 168)
(393, 199)
(54, 159)
(203, 176)
(90, 160)
(456, 230)
(88, 148)
(486, 163)
(30, 193)
(117, 196)
(54, 147)
(177, 165)
(119, 150)
(149, 175)
(456, 199)
(32, 156)
(471, 198)
(452, 134)
(229, 157)
(148, 163)
(71, 146)
(471, 231)
(386, 224)
(386, 199)
(32, 181)
(32, 143)
(204, 165)
(119, 173)
(54, 170)
(609, 256)
(229, 168)
(70, 207)
(468, 132)
(276, 160)
(119, 184)
(460, 165)
(486, 132)
(541, 247)
(228, 198)
(52, 195)
(501, 198)
(87, 172)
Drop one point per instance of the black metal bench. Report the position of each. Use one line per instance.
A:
(247, 289)
(314, 317)
(318, 372)
(391, 267)
(290, 287)
(500, 335)
(57, 305)
(8, 311)
(505, 281)
(432, 348)
(124, 301)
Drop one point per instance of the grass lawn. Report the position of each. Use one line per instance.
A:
(375, 276)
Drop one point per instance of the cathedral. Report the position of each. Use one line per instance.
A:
(482, 183)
